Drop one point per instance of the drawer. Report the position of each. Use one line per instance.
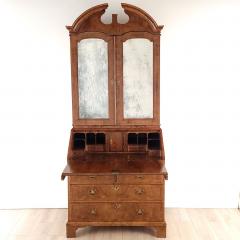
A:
(116, 193)
(117, 212)
(140, 179)
(92, 179)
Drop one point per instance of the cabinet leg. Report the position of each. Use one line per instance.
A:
(160, 232)
(71, 231)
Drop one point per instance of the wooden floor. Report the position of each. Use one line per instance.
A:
(183, 224)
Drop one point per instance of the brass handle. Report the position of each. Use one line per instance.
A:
(93, 211)
(140, 212)
(140, 177)
(92, 191)
(115, 178)
(116, 187)
(139, 191)
(117, 205)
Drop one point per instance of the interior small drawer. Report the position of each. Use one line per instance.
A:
(140, 179)
(92, 179)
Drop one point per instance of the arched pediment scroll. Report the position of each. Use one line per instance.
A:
(90, 21)
(136, 13)
(89, 15)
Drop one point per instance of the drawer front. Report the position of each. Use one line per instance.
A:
(117, 212)
(116, 193)
(140, 179)
(92, 179)
(116, 142)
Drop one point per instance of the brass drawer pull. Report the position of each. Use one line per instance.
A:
(140, 177)
(139, 191)
(117, 205)
(139, 211)
(116, 187)
(92, 191)
(93, 211)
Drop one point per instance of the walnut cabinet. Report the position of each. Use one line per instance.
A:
(116, 161)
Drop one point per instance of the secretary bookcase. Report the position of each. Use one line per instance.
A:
(116, 163)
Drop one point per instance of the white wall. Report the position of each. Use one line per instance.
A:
(200, 86)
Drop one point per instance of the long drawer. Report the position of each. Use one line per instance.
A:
(116, 211)
(117, 179)
(116, 193)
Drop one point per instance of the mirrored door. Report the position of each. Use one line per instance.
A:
(94, 93)
(138, 79)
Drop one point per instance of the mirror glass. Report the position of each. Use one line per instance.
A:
(93, 78)
(138, 78)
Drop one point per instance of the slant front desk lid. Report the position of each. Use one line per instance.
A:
(102, 164)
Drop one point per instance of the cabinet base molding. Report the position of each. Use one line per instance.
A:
(159, 227)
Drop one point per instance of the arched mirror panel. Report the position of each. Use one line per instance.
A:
(93, 78)
(138, 78)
